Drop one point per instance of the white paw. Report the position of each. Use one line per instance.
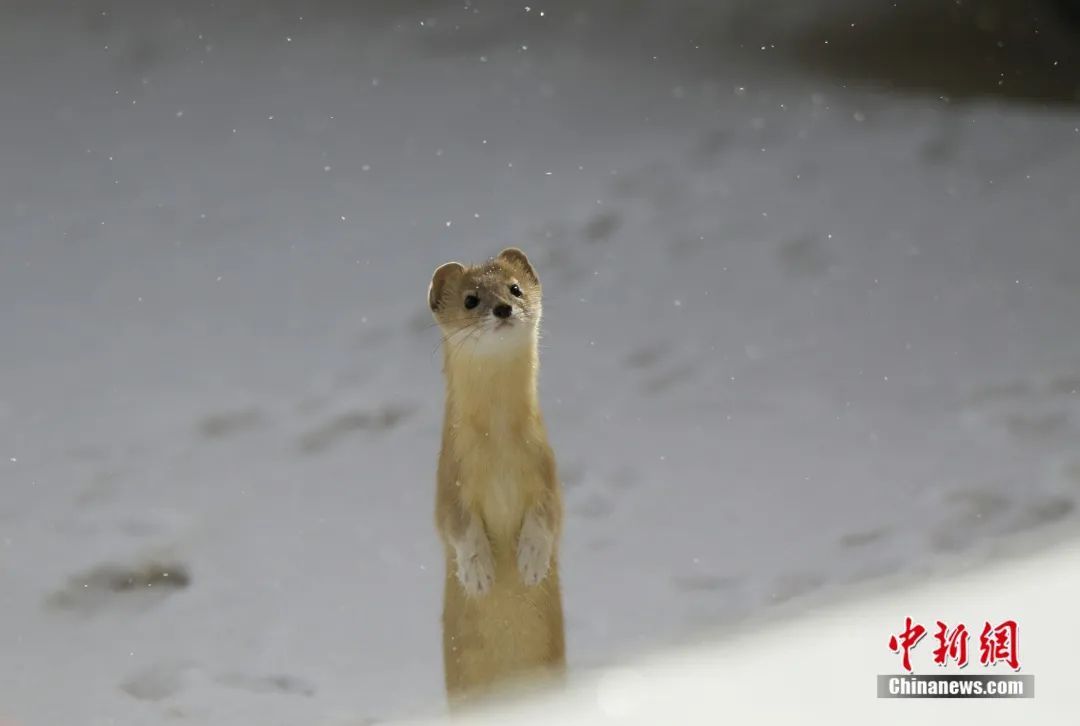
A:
(534, 551)
(475, 564)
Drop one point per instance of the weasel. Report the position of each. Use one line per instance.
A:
(498, 506)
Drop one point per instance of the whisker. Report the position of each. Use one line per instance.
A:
(471, 334)
(453, 320)
(467, 330)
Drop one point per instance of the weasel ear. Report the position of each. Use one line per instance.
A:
(442, 275)
(518, 259)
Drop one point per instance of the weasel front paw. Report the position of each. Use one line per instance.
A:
(475, 564)
(535, 545)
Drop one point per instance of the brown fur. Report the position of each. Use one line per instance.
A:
(496, 479)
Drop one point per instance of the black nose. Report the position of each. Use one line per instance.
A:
(502, 311)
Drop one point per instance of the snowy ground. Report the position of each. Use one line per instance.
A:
(798, 332)
(818, 665)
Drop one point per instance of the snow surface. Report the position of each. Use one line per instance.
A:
(799, 332)
(819, 665)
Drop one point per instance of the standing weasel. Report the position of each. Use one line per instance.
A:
(498, 507)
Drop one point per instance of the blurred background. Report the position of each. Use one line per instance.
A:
(812, 309)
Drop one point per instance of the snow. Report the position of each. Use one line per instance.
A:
(799, 333)
(780, 670)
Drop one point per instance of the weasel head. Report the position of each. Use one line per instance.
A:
(488, 309)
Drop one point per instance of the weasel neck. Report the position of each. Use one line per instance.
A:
(493, 394)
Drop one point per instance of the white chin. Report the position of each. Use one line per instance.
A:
(500, 339)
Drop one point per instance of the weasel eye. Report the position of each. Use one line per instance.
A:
(471, 301)
(515, 291)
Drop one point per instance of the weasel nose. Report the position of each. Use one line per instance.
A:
(502, 311)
